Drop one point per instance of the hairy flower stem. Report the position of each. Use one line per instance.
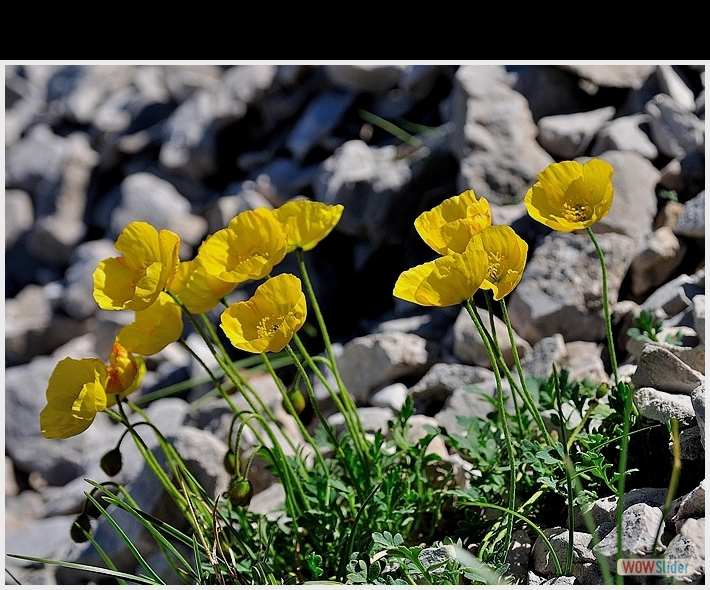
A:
(625, 393)
(504, 423)
(607, 313)
(289, 407)
(358, 435)
(523, 389)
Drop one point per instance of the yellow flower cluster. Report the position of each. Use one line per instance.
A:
(476, 255)
(149, 279)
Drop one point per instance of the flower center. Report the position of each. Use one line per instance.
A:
(268, 326)
(576, 212)
(495, 263)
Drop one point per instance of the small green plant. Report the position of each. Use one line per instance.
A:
(648, 327)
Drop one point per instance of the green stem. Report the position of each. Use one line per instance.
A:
(567, 463)
(291, 410)
(527, 398)
(625, 394)
(496, 346)
(607, 313)
(504, 423)
(359, 434)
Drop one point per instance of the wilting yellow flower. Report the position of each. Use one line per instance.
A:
(125, 374)
(134, 280)
(153, 328)
(507, 255)
(448, 280)
(569, 196)
(267, 321)
(448, 227)
(75, 394)
(247, 249)
(197, 289)
(307, 222)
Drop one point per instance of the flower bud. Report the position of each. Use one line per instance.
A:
(80, 528)
(112, 462)
(240, 491)
(230, 461)
(297, 400)
(602, 390)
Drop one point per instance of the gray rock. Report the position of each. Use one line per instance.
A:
(625, 134)
(431, 556)
(640, 523)
(19, 215)
(662, 370)
(584, 362)
(634, 206)
(692, 505)
(28, 313)
(47, 538)
(443, 378)
(494, 135)
(143, 196)
(77, 297)
(372, 419)
(676, 295)
(547, 352)
(699, 316)
(370, 361)
(603, 510)
(559, 539)
(560, 581)
(662, 406)
(53, 238)
(561, 289)
(613, 76)
(390, 396)
(321, 116)
(364, 78)
(691, 444)
(202, 453)
(471, 400)
(468, 343)
(697, 398)
(675, 130)
(366, 180)
(691, 223)
(674, 86)
(228, 207)
(569, 136)
(689, 545)
(269, 501)
(35, 164)
(660, 257)
(518, 556)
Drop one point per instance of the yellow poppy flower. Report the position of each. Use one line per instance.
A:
(448, 280)
(134, 280)
(75, 393)
(198, 290)
(569, 196)
(247, 249)
(125, 374)
(448, 227)
(507, 254)
(267, 321)
(307, 222)
(153, 328)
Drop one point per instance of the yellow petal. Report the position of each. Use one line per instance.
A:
(268, 320)
(569, 196)
(448, 227)
(153, 328)
(75, 394)
(448, 280)
(198, 290)
(507, 256)
(134, 280)
(248, 249)
(306, 222)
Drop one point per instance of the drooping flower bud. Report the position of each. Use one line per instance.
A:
(81, 528)
(230, 461)
(297, 400)
(112, 462)
(240, 491)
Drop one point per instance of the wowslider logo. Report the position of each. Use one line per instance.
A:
(655, 566)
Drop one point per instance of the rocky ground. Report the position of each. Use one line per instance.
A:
(91, 148)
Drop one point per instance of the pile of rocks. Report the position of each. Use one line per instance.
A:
(91, 148)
